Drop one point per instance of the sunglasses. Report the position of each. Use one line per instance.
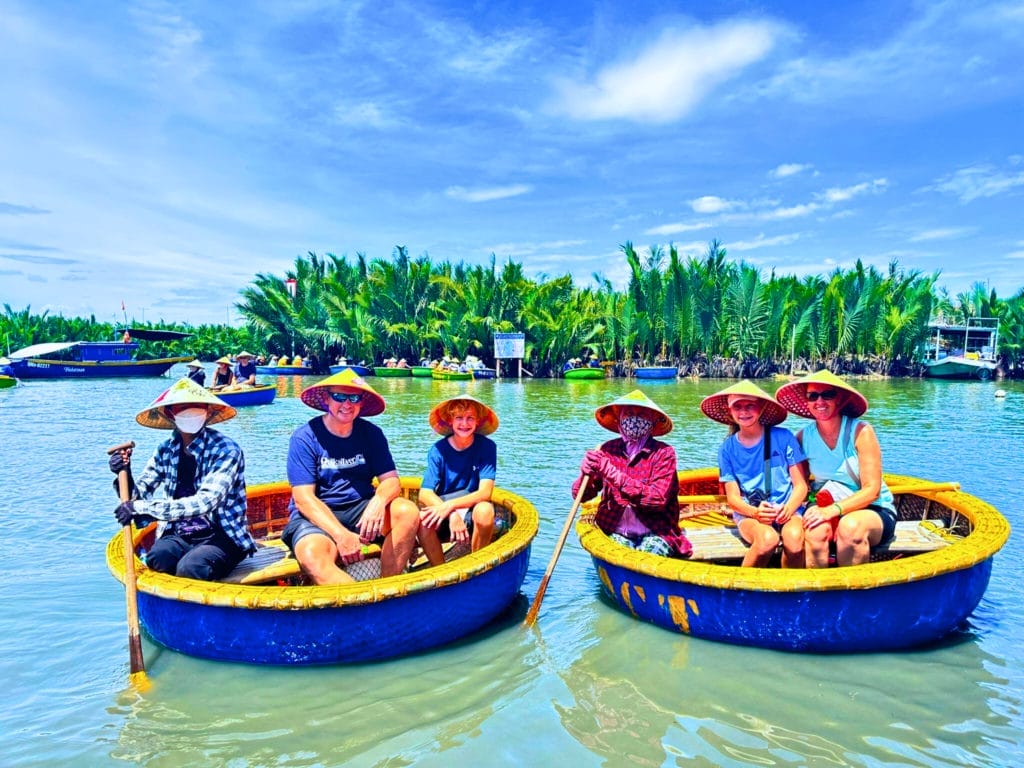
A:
(342, 397)
(828, 394)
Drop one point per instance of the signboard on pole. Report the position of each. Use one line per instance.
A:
(509, 345)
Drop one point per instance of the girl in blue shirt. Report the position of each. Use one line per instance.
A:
(764, 483)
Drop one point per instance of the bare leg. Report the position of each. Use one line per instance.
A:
(431, 544)
(483, 524)
(404, 518)
(816, 545)
(762, 539)
(856, 534)
(318, 555)
(793, 555)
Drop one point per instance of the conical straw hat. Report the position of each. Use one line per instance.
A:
(716, 406)
(440, 416)
(793, 395)
(317, 395)
(608, 415)
(184, 392)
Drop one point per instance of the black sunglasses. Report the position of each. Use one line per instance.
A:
(828, 394)
(341, 397)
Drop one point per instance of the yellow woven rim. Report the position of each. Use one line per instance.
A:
(990, 532)
(163, 585)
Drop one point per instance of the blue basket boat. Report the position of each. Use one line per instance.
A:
(655, 372)
(241, 396)
(260, 621)
(915, 591)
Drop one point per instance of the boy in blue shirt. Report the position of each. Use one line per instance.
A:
(459, 479)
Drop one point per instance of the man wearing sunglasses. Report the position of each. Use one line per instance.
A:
(333, 461)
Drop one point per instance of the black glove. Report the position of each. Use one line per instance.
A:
(117, 462)
(125, 512)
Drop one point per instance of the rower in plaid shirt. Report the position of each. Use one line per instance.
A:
(194, 485)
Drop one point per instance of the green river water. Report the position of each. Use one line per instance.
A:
(590, 686)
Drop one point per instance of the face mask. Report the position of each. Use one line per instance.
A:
(190, 421)
(635, 427)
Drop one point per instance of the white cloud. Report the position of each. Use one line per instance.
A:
(712, 204)
(789, 169)
(842, 194)
(668, 79)
(763, 242)
(978, 181)
(487, 194)
(366, 114)
(676, 228)
(940, 234)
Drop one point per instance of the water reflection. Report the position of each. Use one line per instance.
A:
(642, 693)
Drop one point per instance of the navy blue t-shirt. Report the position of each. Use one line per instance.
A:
(341, 468)
(449, 470)
(243, 372)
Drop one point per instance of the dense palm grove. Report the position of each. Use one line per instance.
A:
(710, 316)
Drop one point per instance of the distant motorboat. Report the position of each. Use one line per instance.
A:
(91, 359)
(977, 359)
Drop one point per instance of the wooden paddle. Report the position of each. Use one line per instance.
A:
(531, 615)
(137, 675)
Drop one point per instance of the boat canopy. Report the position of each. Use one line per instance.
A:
(42, 350)
(150, 334)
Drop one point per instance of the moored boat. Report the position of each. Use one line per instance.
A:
(484, 373)
(86, 360)
(655, 372)
(262, 622)
(393, 373)
(239, 396)
(421, 371)
(916, 590)
(7, 381)
(446, 375)
(584, 373)
(974, 358)
(360, 370)
(284, 370)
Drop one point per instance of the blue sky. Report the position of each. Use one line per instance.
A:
(163, 153)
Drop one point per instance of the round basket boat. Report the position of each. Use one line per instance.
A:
(284, 623)
(911, 594)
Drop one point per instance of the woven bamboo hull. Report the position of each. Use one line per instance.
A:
(656, 372)
(584, 373)
(879, 606)
(451, 375)
(393, 373)
(7, 381)
(352, 623)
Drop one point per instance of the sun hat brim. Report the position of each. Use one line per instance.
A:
(193, 364)
(608, 415)
(486, 424)
(240, 355)
(793, 395)
(716, 406)
(223, 361)
(183, 392)
(317, 395)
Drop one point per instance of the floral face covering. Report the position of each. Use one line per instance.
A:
(635, 430)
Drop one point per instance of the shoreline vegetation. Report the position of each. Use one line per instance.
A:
(710, 317)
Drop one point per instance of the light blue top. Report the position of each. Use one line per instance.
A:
(840, 464)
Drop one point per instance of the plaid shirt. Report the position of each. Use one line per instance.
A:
(220, 485)
(648, 484)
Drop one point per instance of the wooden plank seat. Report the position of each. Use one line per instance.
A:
(272, 562)
(723, 542)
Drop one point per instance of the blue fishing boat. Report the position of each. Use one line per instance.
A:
(264, 614)
(918, 588)
(239, 396)
(655, 372)
(284, 370)
(360, 370)
(89, 359)
(484, 373)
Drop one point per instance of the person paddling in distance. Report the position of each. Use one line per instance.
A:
(194, 485)
(455, 497)
(636, 477)
(222, 375)
(332, 462)
(760, 465)
(854, 507)
(245, 370)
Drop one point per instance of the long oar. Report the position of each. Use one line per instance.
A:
(137, 675)
(531, 615)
